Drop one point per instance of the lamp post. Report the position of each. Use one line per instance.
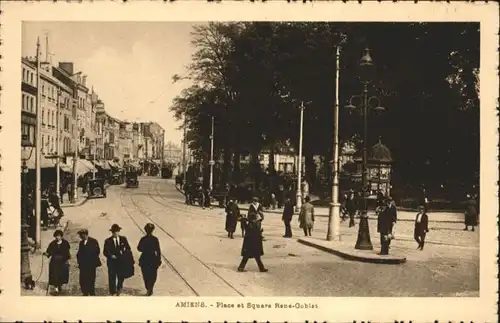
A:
(27, 150)
(366, 64)
(38, 152)
(212, 162)
(299, 171)
(334, 214)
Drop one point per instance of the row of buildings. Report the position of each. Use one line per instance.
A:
(74, 120)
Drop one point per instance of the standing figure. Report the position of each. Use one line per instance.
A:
(421, 227)
(305, 189)
(117, 252)
(150, 259)
(232, 216)
(88, 261)
(385, 226)
(281, 196)
(252, 242)
(58, 252)
(351, 207)
(287, 217)
(470, 215)
(306, 216)
(44, 216)
(54, 201)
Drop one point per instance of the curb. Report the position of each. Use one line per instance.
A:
(389, 260)
(83, 201)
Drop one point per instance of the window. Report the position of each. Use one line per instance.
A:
(53, 119)
(43, 118)
(43, 141)
(31, 78)
(32, 109)
(43, 90)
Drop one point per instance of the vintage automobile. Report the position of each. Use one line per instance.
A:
(131, 180)
(96, 188)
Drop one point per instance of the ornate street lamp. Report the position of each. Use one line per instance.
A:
(366, 75)
(26, 151)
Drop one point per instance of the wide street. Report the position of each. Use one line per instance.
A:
(199, 259)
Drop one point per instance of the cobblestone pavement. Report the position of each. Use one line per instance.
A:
(203, 261)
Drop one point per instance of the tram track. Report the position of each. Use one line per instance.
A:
(171, 238)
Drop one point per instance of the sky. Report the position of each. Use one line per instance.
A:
(130, 65)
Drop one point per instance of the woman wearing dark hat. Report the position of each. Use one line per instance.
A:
(150, 259)
(58, 252)
(119, 259)
(232, 216)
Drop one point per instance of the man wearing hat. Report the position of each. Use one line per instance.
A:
(385, 226)
(88, 261)
(116, 251)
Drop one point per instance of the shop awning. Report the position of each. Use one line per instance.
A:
(83, 167)
(65, 167)
(105, 165)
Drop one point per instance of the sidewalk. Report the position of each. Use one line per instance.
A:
(444, 217)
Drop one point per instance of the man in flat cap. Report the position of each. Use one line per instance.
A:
(88, 261)
(117, 252)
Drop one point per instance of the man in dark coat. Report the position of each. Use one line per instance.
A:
(351, 207)
(471, 215)
(287, 217)
(421, 227)
(232, 216)
(385, 227)
(88, 261)
(252, 242)
(117, 252)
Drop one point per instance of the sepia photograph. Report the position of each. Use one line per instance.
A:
(233, 149)
(237, 166)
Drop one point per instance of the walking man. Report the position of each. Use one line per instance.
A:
(287, 217)
(116, 251)
(421, 227)
(385, 226)
(88, 261)
(252, 242)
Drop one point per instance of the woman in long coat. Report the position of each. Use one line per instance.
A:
(306, 217)
(470, 216)
(58, 252)
(252, 242)
(232, 216)
(150, 259)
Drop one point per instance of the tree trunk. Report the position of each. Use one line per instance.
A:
(272, 169)
(237, 165)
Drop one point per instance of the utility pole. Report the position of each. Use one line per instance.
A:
(38, 176)
(58, 138)
(184, 148)
(299, 172)
(334, 214)
(212, 162)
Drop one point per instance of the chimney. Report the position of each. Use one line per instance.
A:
(84, 80)
(67, 67)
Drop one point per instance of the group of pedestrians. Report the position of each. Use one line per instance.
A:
(119, 260)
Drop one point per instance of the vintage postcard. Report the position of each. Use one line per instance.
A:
(238, 161)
